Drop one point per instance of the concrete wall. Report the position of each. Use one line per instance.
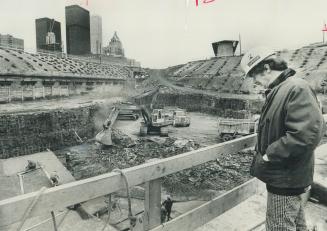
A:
(28, 133)
(222, 107)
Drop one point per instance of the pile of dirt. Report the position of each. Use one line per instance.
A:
(91, 159)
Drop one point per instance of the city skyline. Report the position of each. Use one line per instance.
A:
(175, 32)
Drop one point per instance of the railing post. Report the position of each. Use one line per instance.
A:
(152, 203)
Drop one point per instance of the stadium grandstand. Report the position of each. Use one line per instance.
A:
(14, 61)
(224, 74)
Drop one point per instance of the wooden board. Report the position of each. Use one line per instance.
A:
(212, 209)
(66, 220)
(12, 209)
(244, 216)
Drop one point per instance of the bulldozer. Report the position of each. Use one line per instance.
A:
(154, 123)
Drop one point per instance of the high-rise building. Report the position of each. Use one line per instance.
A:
(10, 41)
(115, 47)
(96, 34)
(48, 35)
(77, 30)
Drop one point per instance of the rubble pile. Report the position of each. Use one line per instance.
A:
(227, 172)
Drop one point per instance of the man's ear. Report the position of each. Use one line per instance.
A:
(267, 68)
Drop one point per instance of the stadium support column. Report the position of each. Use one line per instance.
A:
(9, 93)
(33, 92)
(22, 92)
(84, 88)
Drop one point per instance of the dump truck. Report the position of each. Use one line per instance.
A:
(230, 128)
(154, 122)
(180, 118)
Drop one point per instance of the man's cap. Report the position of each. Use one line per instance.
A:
(253, 57)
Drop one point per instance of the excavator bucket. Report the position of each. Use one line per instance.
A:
(104, 137)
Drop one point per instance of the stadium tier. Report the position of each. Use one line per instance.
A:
(224, 74)
(24, 63)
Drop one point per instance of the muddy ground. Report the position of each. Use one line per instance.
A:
(204, 181)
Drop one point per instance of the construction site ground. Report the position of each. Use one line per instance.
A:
(190, 187)
(203, 129)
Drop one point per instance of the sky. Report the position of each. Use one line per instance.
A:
(162, 33)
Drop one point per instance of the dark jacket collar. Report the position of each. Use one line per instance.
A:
(281, 78)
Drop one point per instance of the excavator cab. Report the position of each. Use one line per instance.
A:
(157, 116)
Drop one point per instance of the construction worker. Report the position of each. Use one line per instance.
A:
(163, 213)
(290, 128)
(168, 204)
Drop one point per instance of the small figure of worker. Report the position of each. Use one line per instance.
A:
(106, 124)
(168, 204)
(290, 127)
(54, 178)
(163, 213)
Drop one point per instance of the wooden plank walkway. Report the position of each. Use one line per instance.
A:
(250, 214)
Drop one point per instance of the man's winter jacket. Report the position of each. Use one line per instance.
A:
(290, 128)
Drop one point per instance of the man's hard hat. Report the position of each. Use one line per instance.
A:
(253, 57)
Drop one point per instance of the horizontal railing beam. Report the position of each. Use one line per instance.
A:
(12, 209)
(205, 213)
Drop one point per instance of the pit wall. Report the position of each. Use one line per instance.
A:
(221, 107)
(28, 133)
(36, 90)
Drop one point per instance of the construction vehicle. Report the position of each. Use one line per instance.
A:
(125, 114)
(229, 128)
(154, 123)
(128, 111)
(180, 118)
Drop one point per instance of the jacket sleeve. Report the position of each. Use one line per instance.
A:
(304, 126)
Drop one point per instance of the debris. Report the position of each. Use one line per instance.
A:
(180, 143)
(227, 172)
(78, 137)
(122, 140)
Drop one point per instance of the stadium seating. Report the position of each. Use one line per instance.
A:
(224, 74)
(16, 61)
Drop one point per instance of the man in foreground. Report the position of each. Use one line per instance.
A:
(290, 128)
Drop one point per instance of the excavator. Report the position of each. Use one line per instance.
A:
(154, 123)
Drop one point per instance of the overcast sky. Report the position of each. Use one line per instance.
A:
(161, 33)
